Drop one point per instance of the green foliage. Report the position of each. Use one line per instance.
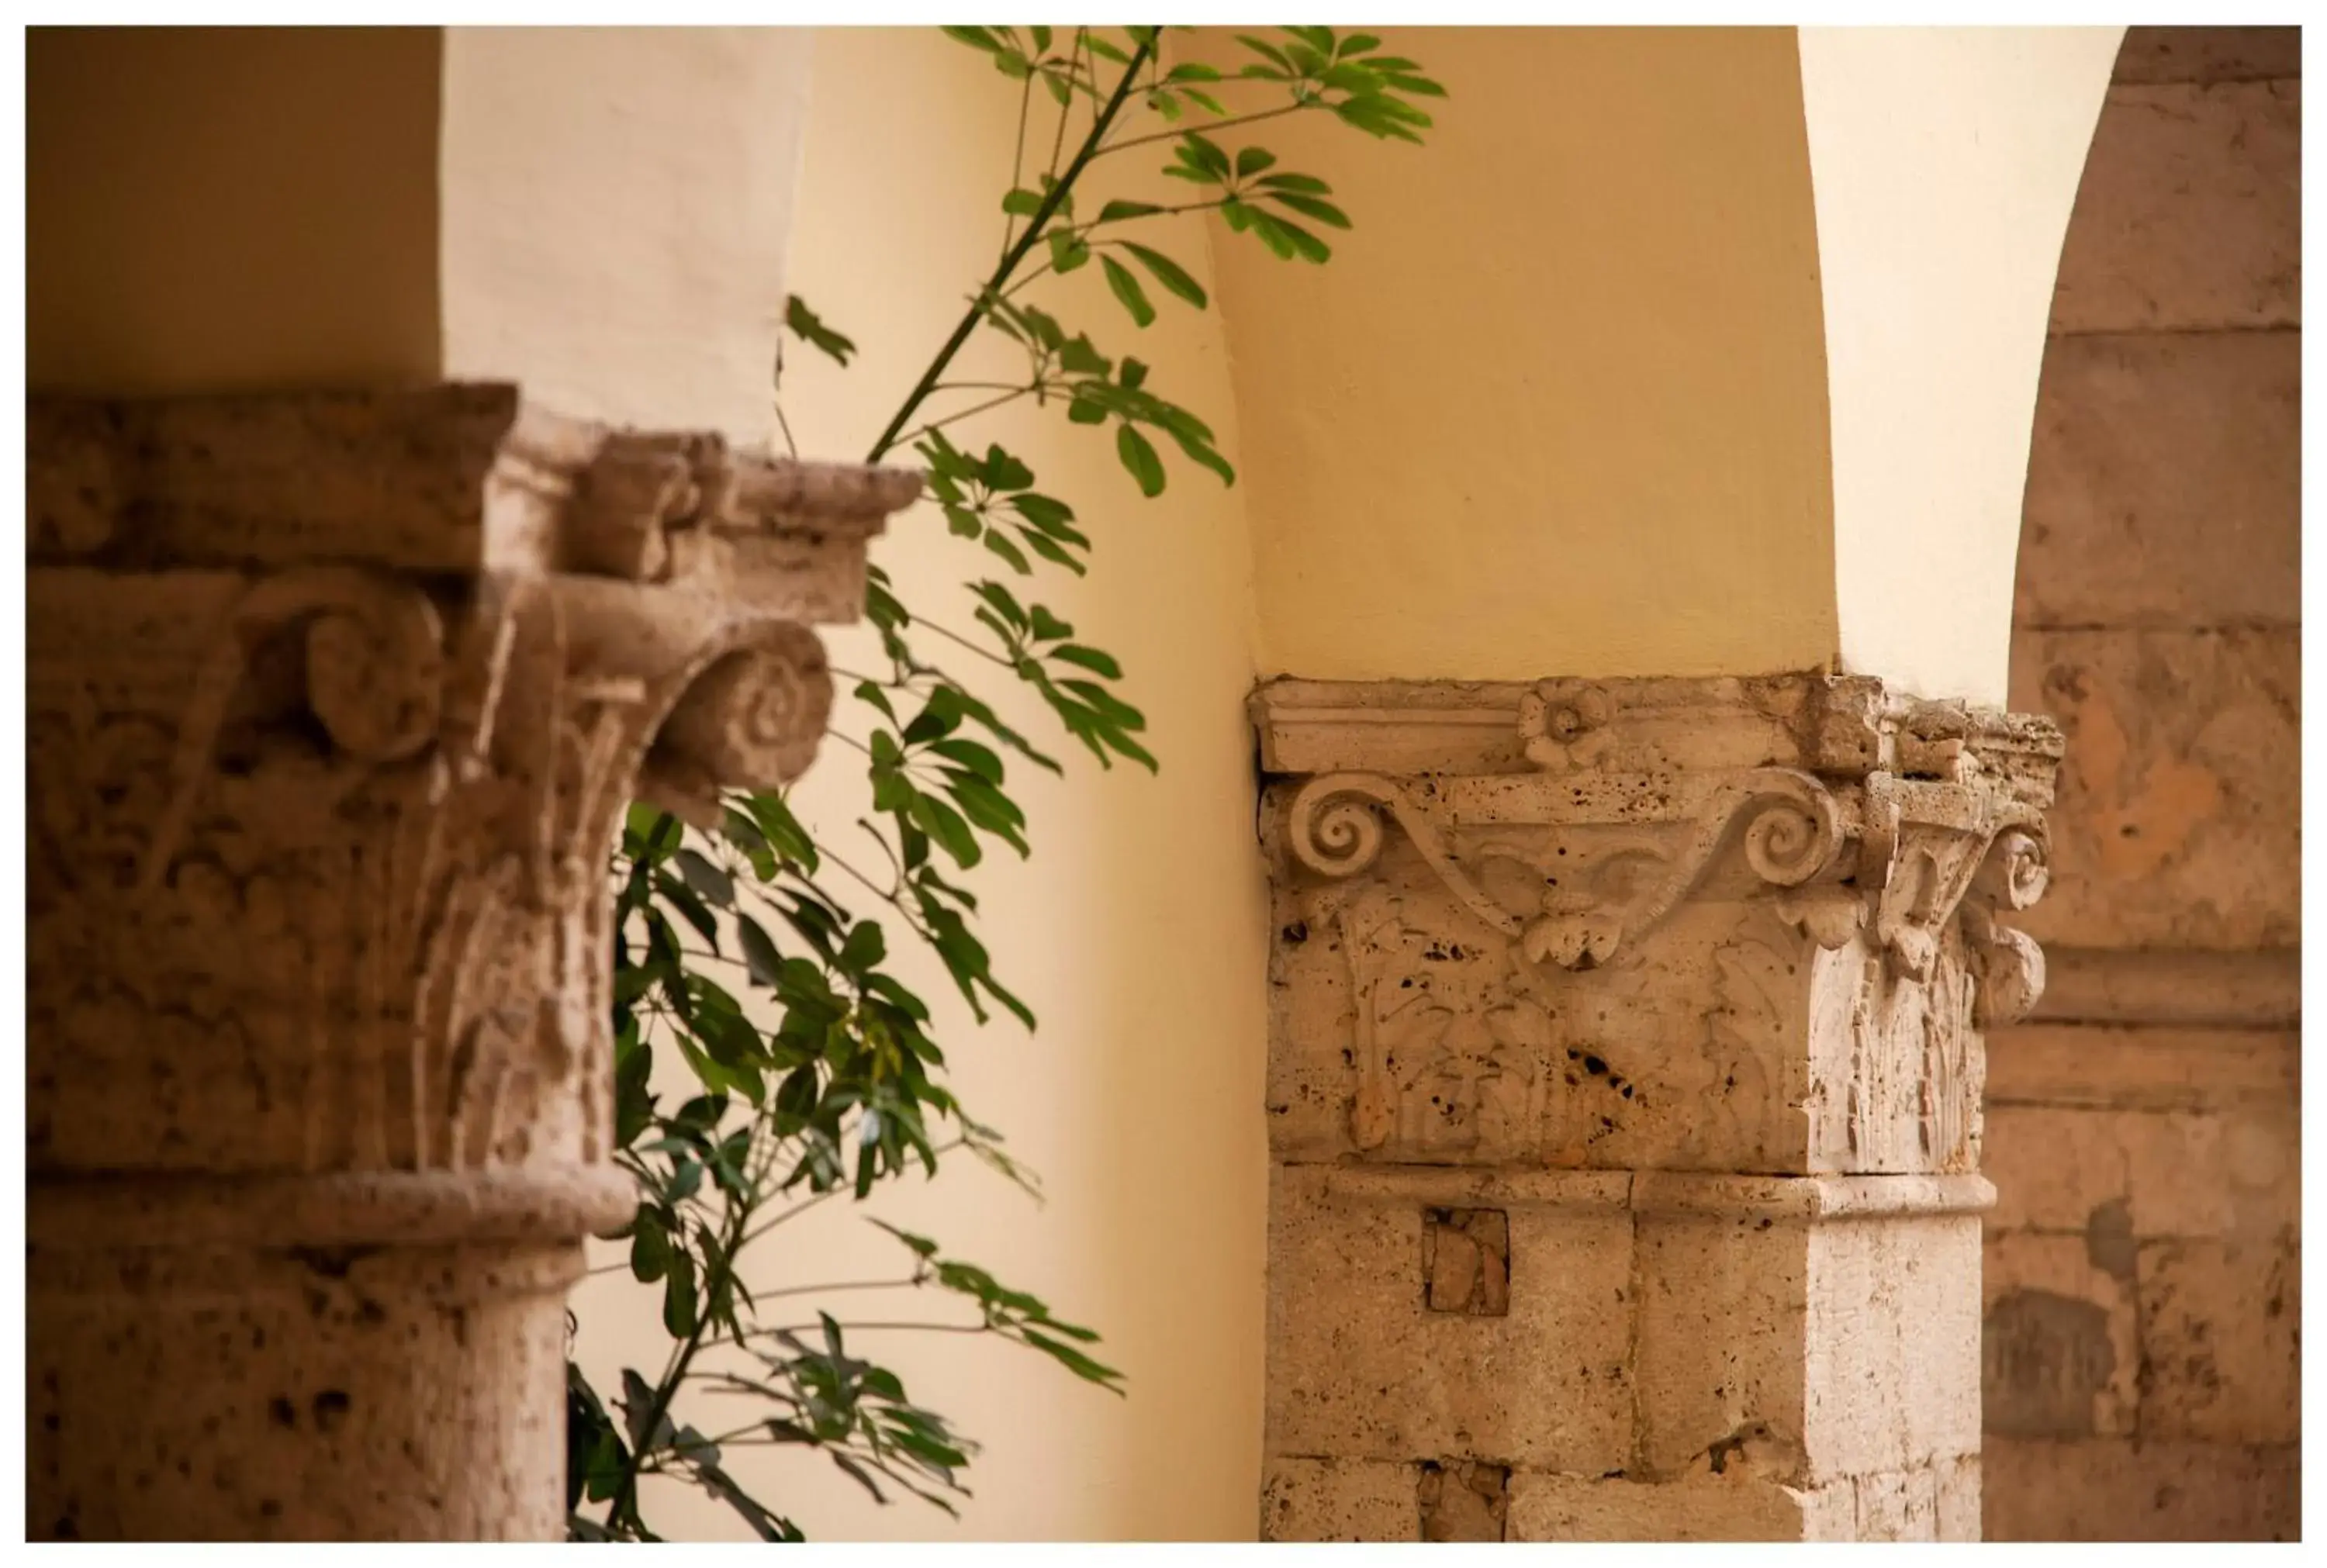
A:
(846, 1090)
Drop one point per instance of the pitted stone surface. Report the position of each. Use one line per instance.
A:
(2142, 1130)
(1672, 995)
(336, 703)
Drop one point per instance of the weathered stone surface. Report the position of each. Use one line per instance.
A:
(336, 702)
(1361, 1368)
(2097, 1068)
(2060, 1346)
(2141, 1126)
(1466, 1261)
(2221, 1333)
(2187, 216)
(2228, 1169)
(2235, 1174)
(2052, 1168)
(2197, 987)
(1734, 1506)
(1894, 1314)
(2210, 54)
(2140, 1490)
(2164, 482)
(1898, 1506)
(1339, 1499)
(2179, 801)
(1956, 1487)
(1463, 1501)
(1662, 924)
(1565, 976)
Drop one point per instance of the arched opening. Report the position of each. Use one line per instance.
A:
(2142, 1279)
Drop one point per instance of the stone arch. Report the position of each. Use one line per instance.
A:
(2142, 1130)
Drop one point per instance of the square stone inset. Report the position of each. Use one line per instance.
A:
(1464, 1502)
(1360, 1367)
(1466, 1261)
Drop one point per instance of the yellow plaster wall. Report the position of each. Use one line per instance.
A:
(1945, 161)
(1559, 404)
(221, 208)
(1136, 932)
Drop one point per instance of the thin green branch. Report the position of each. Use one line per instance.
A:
(1018, 157)
(1009, 261)
(1130, 141)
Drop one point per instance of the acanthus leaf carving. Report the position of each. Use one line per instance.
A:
(422, 766)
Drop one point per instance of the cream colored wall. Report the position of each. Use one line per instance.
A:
(615, 207)
(223, 209)
(1558, 404)
(1136, 932)
(1945, 161)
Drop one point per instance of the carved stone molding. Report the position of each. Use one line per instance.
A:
(1738, 925)
(336, 701)
(1625, 1067)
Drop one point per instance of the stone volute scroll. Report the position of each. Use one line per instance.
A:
(1676, 988)
(336, 702)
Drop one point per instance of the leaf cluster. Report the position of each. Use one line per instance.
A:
(758, 956)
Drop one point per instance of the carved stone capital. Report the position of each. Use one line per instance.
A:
(336, 702)
(1737, 925)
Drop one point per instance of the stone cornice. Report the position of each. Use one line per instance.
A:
(1556, 865)
(456, 481)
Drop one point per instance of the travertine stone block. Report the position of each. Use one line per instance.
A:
(2141, 1489)
(2222, 1335)
(2210, 54)
(1340, 1499)
(2054, 1168)
(1898, 1506)
(2061, 1343)
(2180, 799)
(336, 702)
(2164, 482)
(2099, 1068)
(2233, 1175)
(2195, 988)
(1737, 1504)
(1668, 996)
(1362, 1368)
(1956, 1490)
(2187, 216)
(1466, 1261)
(1463, 1501)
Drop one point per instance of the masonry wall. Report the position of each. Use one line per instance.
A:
(2143, 1264)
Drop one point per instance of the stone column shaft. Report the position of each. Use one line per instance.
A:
(1624, 1092)
(336, 703)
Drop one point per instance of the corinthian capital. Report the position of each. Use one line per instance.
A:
(336, 705)
(1737, 925)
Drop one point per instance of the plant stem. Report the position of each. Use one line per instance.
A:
(626, 1494)
(1009, 261)
(1017, 158)
(1215, 126)
(1009, 396)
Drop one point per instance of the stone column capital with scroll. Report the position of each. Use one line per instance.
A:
(1641, 967)
(336, 703)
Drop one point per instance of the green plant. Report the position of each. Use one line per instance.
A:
(845, 1090)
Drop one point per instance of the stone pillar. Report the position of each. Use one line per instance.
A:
(1624, 1097)
(336, 705)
